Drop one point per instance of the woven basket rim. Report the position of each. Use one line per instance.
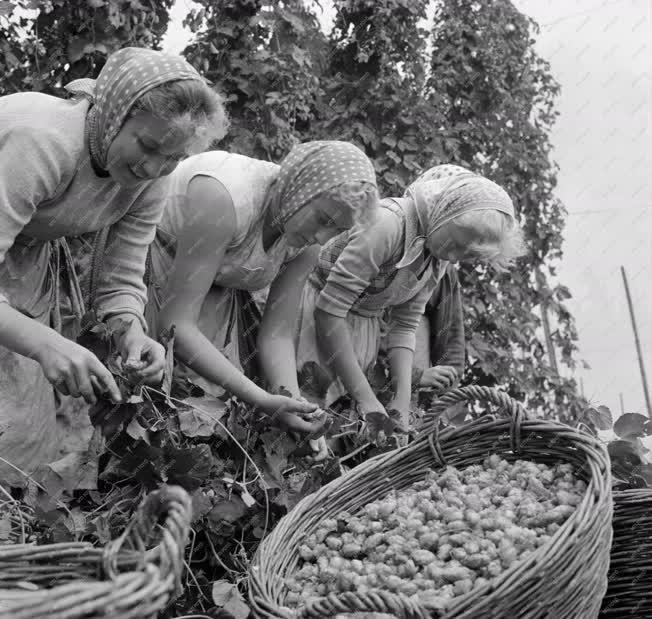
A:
(267, 572)
(156, 571)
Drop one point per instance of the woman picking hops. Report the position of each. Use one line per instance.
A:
(69, 167)
(233, 225)
(391, 266)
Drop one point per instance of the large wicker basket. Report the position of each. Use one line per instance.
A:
(630, 573)
(124, 580)
(564, 579)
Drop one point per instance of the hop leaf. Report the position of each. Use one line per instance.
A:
(632, 425)
(600, 417)
(378, 422)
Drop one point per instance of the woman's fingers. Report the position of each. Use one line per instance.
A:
(154, 355)
(106, 380)
(83, 379)
(295, 423)
(306, 408)
(71, 385)
(450, 373)
(319, 448)
(97, 387)
(433, 381)
(61, 386)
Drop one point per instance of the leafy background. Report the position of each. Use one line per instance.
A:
(471, 90)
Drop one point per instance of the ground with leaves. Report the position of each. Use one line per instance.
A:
(242, 473)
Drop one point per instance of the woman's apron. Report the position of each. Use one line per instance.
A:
(31, 278)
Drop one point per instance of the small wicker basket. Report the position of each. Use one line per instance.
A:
(564, 579)
(123, 580)
(630, 573)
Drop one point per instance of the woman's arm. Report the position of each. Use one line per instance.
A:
(403, 322)
(121, 293)
(31, 168)
(367, 249)
(200, 249)
(400, 368)
(334, 336)
(276, 345)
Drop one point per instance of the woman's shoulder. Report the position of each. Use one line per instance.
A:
(42, 125)
(224, 166)
(387, 218)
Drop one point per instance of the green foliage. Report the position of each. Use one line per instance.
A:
(45, 44)
(263, 57)
(471, 91)
(498, 96)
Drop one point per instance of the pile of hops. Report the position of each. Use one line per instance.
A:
(442, 537)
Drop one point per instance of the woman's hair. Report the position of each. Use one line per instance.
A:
(190, 107)
(500, 237)
(360, 196)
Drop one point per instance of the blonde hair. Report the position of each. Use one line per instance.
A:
(360, 196)
(501, 237)
(191, 108)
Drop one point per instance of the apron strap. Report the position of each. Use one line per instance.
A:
(97, 264)
(62, 269)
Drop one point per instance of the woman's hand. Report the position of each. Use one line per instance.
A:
(440, 377)
(375, 421)
(142, 356)
(319, 449)
(370, 406)
(74, 370)
(294, 414)
(403, 410)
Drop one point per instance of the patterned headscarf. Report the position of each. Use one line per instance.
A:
(439, 195)
(312, 168)
(127, 75)
(446, 191)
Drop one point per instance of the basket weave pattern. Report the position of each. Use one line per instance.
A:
(630, 573)
(123, 580)
(564, 579)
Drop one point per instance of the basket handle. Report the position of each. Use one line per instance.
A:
(489, 395)
(174, 505)
(374, 601)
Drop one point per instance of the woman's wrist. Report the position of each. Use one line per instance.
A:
(117, 321)
(261, 399)
(417, 375)
(44, 343)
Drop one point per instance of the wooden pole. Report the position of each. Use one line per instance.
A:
(641, 365)
(552, 356)
(622, 406)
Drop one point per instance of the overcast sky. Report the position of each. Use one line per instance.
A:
(599, 51)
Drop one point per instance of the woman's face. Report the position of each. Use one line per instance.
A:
(452, 243)
(144, 149)
(317, 222)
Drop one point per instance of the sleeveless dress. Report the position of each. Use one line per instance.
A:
(229, 316)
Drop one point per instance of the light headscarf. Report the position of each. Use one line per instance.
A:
(312, 168)
(127, 75)
(442, 193)
(447, 191)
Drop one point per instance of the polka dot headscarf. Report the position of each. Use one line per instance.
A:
(127, 75)
(446, 191)
(313, 168)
